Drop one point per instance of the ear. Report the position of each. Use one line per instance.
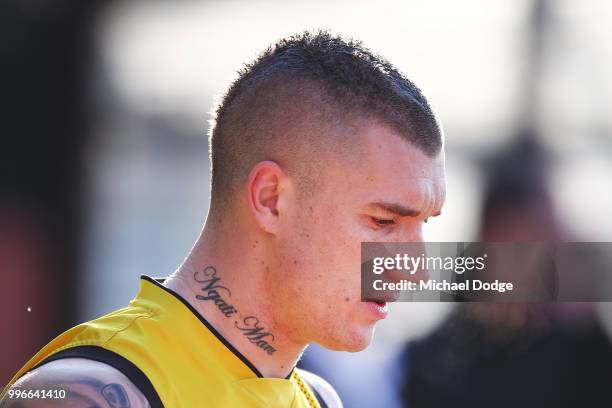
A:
(265, 186)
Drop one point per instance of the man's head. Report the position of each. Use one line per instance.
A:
(320, 145)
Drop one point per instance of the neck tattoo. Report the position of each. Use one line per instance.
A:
(220, 296)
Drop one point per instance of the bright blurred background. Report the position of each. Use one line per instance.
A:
(105, 171)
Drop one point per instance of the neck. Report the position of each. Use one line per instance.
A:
(224, 280)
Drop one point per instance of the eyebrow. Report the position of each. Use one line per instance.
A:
(400, 210)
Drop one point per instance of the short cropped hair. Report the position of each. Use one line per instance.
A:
(284, 104)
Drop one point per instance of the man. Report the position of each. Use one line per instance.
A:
(318, 146)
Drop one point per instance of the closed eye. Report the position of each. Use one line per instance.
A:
(382, 222)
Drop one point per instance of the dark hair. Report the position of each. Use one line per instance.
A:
(302, 83)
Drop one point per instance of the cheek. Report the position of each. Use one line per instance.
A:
(324, 244)
(337, 252)
(332, 243)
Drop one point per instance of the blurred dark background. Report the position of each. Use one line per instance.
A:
(46, 52)
(105, 172)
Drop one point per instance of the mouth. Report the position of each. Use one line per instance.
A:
(377, 307)
(383, 299)
(379, 302)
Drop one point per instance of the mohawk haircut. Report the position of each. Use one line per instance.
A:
(285, 106)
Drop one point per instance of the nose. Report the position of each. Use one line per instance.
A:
(412, 232)
(410, 244)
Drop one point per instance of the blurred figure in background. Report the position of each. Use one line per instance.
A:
(514, 354)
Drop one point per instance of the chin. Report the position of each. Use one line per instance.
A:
(357, 347)
(354, 341)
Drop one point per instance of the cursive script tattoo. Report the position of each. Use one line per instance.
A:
(256, 334)
(219, 294)
(212, 290)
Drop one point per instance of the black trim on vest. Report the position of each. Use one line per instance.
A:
(158, 282)
(127, 368)
(316, 393)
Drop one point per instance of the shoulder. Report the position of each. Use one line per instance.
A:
(323, 388)
(85, 382)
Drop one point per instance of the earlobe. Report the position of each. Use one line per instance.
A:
(264, 188)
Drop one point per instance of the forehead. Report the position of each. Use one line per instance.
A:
(391, 168)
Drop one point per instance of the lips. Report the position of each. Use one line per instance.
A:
(383, 298)
(376, 308)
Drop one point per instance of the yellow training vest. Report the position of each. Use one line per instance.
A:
(187, 362)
